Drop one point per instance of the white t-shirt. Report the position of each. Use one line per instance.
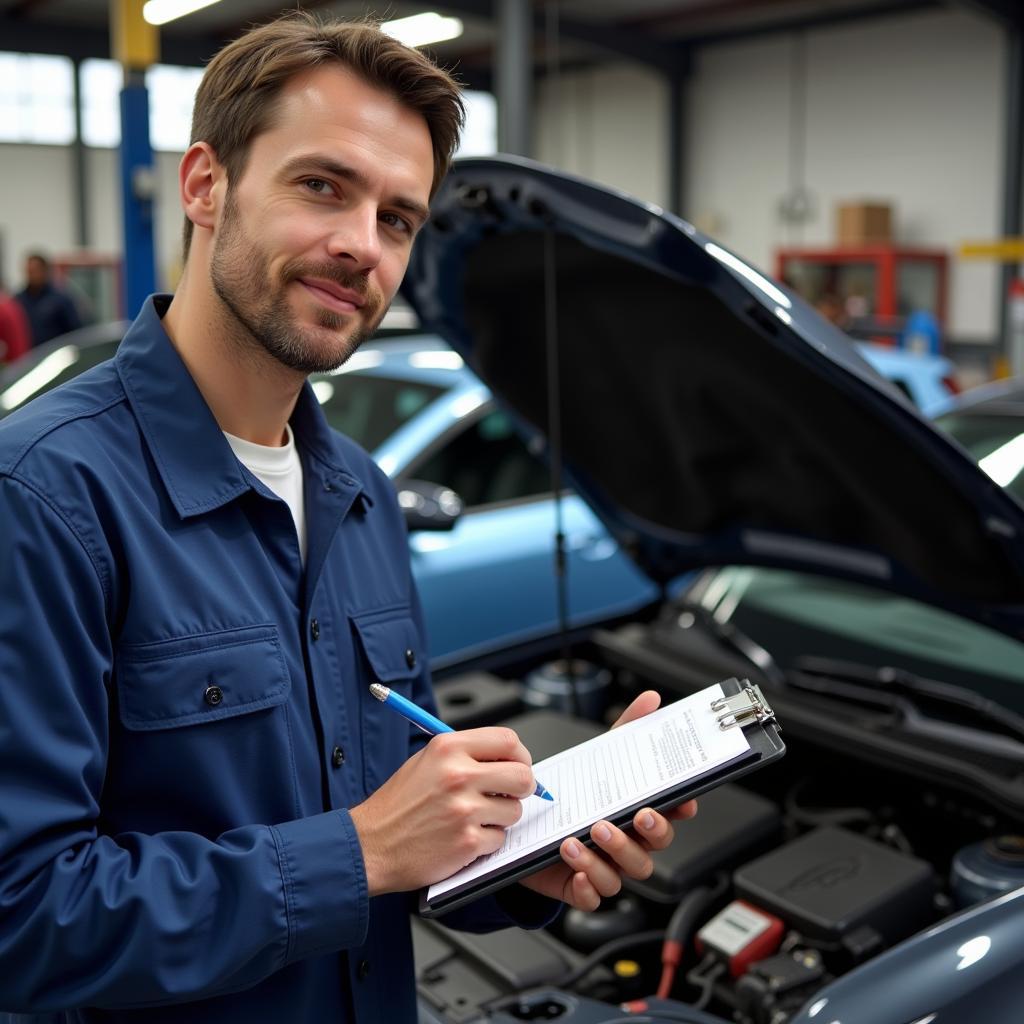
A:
(280, 469)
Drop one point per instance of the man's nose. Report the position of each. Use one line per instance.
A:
(356, 238)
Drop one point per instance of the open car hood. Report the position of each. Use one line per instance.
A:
(708, 415)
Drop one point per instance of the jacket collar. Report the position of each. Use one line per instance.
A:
(191, 454)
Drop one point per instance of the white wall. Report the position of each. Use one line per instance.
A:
(608, 125)
(37, 206)
(903, 109)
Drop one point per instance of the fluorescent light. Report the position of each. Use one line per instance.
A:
(421, 29)
(39, 376)
(159, 12)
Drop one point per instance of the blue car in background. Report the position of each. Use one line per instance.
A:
(929, 381)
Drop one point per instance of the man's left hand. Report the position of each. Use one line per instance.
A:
(585, 875)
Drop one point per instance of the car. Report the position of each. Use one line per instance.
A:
(851, 559)
(989, 422)
(928, 380)
(486, 576)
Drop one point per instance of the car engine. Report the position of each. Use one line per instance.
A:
(778, 886)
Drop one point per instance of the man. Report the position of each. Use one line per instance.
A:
(202, 803)
(50, 311)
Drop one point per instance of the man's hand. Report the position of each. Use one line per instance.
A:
(585, 876)
(442, 808)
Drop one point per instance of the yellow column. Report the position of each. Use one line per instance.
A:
(133, 41)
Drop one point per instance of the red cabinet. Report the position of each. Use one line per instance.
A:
(874, 286)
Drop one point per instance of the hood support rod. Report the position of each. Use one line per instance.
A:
(555, 453)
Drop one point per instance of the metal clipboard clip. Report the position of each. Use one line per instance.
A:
(743, 708)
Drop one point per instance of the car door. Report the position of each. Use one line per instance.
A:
(490, 582)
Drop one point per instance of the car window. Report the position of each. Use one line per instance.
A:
(486, 463)
(997, 442)
(369, 409)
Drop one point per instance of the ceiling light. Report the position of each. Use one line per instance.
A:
(159, 12)
(420, 29)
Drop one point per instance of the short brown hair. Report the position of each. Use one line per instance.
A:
(236, 100)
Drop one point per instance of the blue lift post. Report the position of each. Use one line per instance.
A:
(134, 43)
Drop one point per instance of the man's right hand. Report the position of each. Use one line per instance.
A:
(443, 808)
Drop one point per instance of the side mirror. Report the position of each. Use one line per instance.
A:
(428, 506)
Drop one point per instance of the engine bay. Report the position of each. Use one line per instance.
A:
(779, 885)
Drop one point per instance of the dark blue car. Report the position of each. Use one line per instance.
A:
(851, 559)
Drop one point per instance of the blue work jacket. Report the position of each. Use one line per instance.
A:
(185, 715)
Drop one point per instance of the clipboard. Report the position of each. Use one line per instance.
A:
(742, 706)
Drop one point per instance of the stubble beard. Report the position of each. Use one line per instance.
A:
(240, 275)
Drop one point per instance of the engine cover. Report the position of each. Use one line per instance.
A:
(832, 883)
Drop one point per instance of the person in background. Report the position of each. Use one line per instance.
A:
(50, 310)
(15, 333)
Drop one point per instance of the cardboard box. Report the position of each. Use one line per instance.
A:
(863, 224)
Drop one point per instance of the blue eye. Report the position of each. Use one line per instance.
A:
(317, 185)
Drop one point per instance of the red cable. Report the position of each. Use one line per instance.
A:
(671, 956)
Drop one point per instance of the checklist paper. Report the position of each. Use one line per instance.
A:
(622, 768)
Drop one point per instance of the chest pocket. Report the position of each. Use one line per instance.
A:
(205, 739)
(393, 653)
(197, 679)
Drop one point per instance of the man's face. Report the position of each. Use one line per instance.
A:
(314, 238)
(35, 273)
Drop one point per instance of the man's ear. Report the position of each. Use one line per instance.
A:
(199, 175)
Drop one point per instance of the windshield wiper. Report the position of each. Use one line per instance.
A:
(903, 691)
(733, 639)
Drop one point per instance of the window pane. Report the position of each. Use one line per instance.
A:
(481, 135)
(35, 99)
(101, 118)
(172, 91)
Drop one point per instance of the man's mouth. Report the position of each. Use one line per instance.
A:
(333, 296)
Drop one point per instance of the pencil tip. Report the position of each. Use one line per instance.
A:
(547, 796)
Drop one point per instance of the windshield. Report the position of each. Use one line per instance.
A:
(796, 615)
(369, 409)
(996, 442)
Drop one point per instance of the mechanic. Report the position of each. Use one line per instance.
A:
(202, 803)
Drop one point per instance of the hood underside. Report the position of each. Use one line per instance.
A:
(707, 415)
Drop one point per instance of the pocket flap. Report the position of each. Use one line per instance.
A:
(201, 678)
(392, 645)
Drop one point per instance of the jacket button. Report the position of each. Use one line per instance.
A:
(314, 629)
(213, 696)
(410, 657)
(363, 969)
(337, 757)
